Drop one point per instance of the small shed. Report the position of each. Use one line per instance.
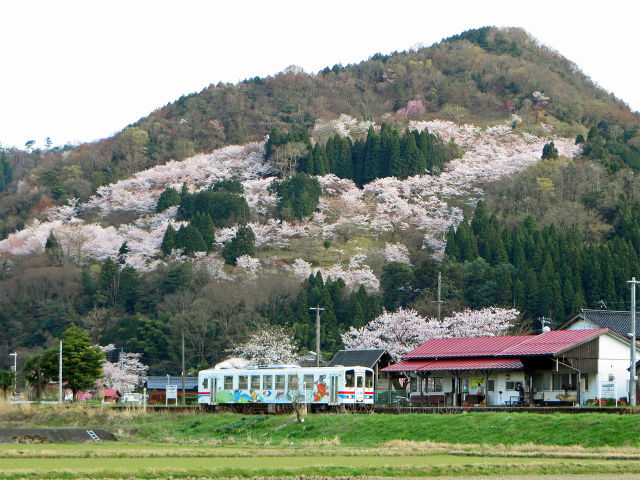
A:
(375, 358)
(111, 395)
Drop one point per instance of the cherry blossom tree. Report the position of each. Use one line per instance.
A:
(402, 331)
(269, 345)
(126, 374)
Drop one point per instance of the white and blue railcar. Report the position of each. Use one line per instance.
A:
(285, 385)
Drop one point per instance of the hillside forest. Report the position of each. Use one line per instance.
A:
(557, 230)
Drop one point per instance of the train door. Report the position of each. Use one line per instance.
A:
(213, 382)
(333, 389)
(359, 387)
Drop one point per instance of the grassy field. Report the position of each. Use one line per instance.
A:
(160, 444)
(368, 430)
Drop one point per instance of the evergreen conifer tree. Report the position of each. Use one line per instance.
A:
(168, 241)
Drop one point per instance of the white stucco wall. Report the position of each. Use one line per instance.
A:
(582, 324)
(613, 361)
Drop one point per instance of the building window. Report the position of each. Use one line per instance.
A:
(349, 379)
(585, 380)
(542, 382)
(228, 383)
(293, 382)
(491, 386)
(308, 382)
(243, 382)
(267, 382)
(564, 381)
(513, 385)
(279, 382)
(434, 384)
(255, 382)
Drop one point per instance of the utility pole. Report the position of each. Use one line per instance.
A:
(318, 310)
(15, 371)
(633, 335)
(60, 375)
(184, 398)
(439, 301)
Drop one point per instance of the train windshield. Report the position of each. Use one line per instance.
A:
(349, 379)
(368, 379)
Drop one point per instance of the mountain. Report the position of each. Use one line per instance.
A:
(141, 236)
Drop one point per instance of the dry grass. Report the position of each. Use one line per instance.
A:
(405, 447)
(68, 414)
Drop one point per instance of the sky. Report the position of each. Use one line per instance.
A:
(78, 71)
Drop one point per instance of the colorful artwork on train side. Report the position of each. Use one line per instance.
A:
(273, 396)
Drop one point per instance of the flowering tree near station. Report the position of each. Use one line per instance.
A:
(401, 331)
(269, 345)
(126, 374)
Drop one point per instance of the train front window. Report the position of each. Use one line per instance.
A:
(368, 379)
(228, 383)
(359, 381)
(293, 382)
(242, 382)
(255, 382)
(205, 383)
(349, 379)
(308, 382)
(279, 382)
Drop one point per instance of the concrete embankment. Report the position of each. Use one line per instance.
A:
(54, 435)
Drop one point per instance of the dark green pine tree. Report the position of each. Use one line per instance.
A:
(592, 277)
(242, 244)
(168, 241)
(6, 172)
(357, 155)
(129, 285)
(53, 250)
(411, 156)
(320, 164)
(305, 165)
(549, 151)
(568, 297)
(519, 295)
(168, 198)
(480, 227)
(344, 165)
(505, 285)
(204, 224)
(193, 241)
(608, 285)
(332, 149)
(124, 249)
(452, 249)
(531, 294)
(372, 156)
(466, 242)
(109, 278)
(518, 259)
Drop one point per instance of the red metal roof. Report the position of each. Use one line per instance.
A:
(111, 392)
(464, 347)
(456, 364)
(548, 343)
